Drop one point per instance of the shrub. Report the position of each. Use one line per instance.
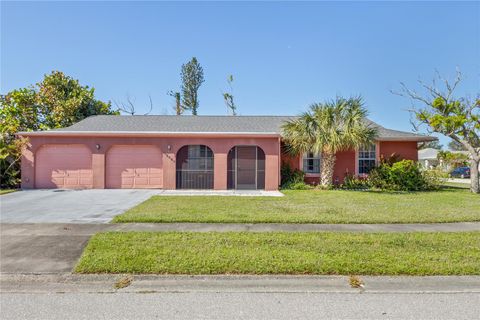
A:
(435, 178)
(351, 182)
(404, 175)
(293, 179)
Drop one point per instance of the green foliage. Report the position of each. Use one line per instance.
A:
(178, 104)
(404, 175)
(63, 101)
(293, 179)
(455, 117)
(431, 144)
(228, 97)
(456, 146)
(56, 102)
(352, 182)
(453, 159)
(434, 178)
(328, 128)
(192, 79)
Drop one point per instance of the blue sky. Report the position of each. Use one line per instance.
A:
(283, 55)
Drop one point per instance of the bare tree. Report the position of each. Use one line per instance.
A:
(228, 97)
(178, 105)
(128, 106)
(457, 118)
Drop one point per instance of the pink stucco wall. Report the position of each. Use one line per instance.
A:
(169, 145)
(403, 149)
(346, 162)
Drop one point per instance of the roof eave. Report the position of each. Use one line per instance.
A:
(416, 139)
(143, 134)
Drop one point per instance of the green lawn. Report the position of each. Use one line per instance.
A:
(283, 253)
(5, 191)
(313, 206)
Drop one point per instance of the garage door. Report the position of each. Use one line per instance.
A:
(134, 167)
(63, 166)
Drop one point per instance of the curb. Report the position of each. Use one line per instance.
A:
(104, 283)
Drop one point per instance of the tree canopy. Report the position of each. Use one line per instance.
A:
(57, 101)
(455, 117)
(327, 128)
(192, 79)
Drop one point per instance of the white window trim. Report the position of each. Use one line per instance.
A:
(307, 174)
(357, 158)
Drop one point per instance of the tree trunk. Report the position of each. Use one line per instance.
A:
(327, 165)
(474, 177)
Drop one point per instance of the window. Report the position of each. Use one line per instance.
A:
(311, 163)
(194, 167)
(367, 159)
(199, 157)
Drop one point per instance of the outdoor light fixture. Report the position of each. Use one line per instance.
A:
(97, 146)
(169, 147)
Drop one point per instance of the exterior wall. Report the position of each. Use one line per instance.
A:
(346, 162)
(344, 165)
(403, 149)
(169, 147)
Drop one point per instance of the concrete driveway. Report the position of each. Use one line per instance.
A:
(68, 206)
(40, 250)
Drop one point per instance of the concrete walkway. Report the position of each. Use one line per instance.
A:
(458, 180)
(76, 229)
(239, 193)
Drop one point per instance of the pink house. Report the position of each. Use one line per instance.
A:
(185, 152)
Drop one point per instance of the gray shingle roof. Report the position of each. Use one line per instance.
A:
(186, 123)
(203, 124)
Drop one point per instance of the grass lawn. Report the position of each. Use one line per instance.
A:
(5, 191)
(283, 253)
(313, 206)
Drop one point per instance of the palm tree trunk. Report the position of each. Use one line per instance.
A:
(326, 169)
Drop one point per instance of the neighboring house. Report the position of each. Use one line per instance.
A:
(428, 158)
(185, 152)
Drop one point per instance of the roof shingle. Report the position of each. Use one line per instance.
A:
(204, 124)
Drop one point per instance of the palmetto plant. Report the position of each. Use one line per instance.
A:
(327, 128)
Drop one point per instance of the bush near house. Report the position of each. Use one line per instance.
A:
(293, 179)
(390, 175)
(404, 175)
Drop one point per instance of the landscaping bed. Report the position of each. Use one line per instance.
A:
(283, 253)
(449, 204)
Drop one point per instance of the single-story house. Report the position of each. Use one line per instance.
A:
(185, 152)
(428, 158)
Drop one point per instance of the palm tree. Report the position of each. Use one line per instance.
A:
(328, 128)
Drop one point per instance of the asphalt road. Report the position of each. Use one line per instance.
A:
(210, 305)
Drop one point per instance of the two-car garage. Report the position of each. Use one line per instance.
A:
(126, 167)
(64, 166)
(133, 167)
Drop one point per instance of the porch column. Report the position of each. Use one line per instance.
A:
(220, 171)
(169, 171)
(27, 169)
(98, 169)
(271, 172)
